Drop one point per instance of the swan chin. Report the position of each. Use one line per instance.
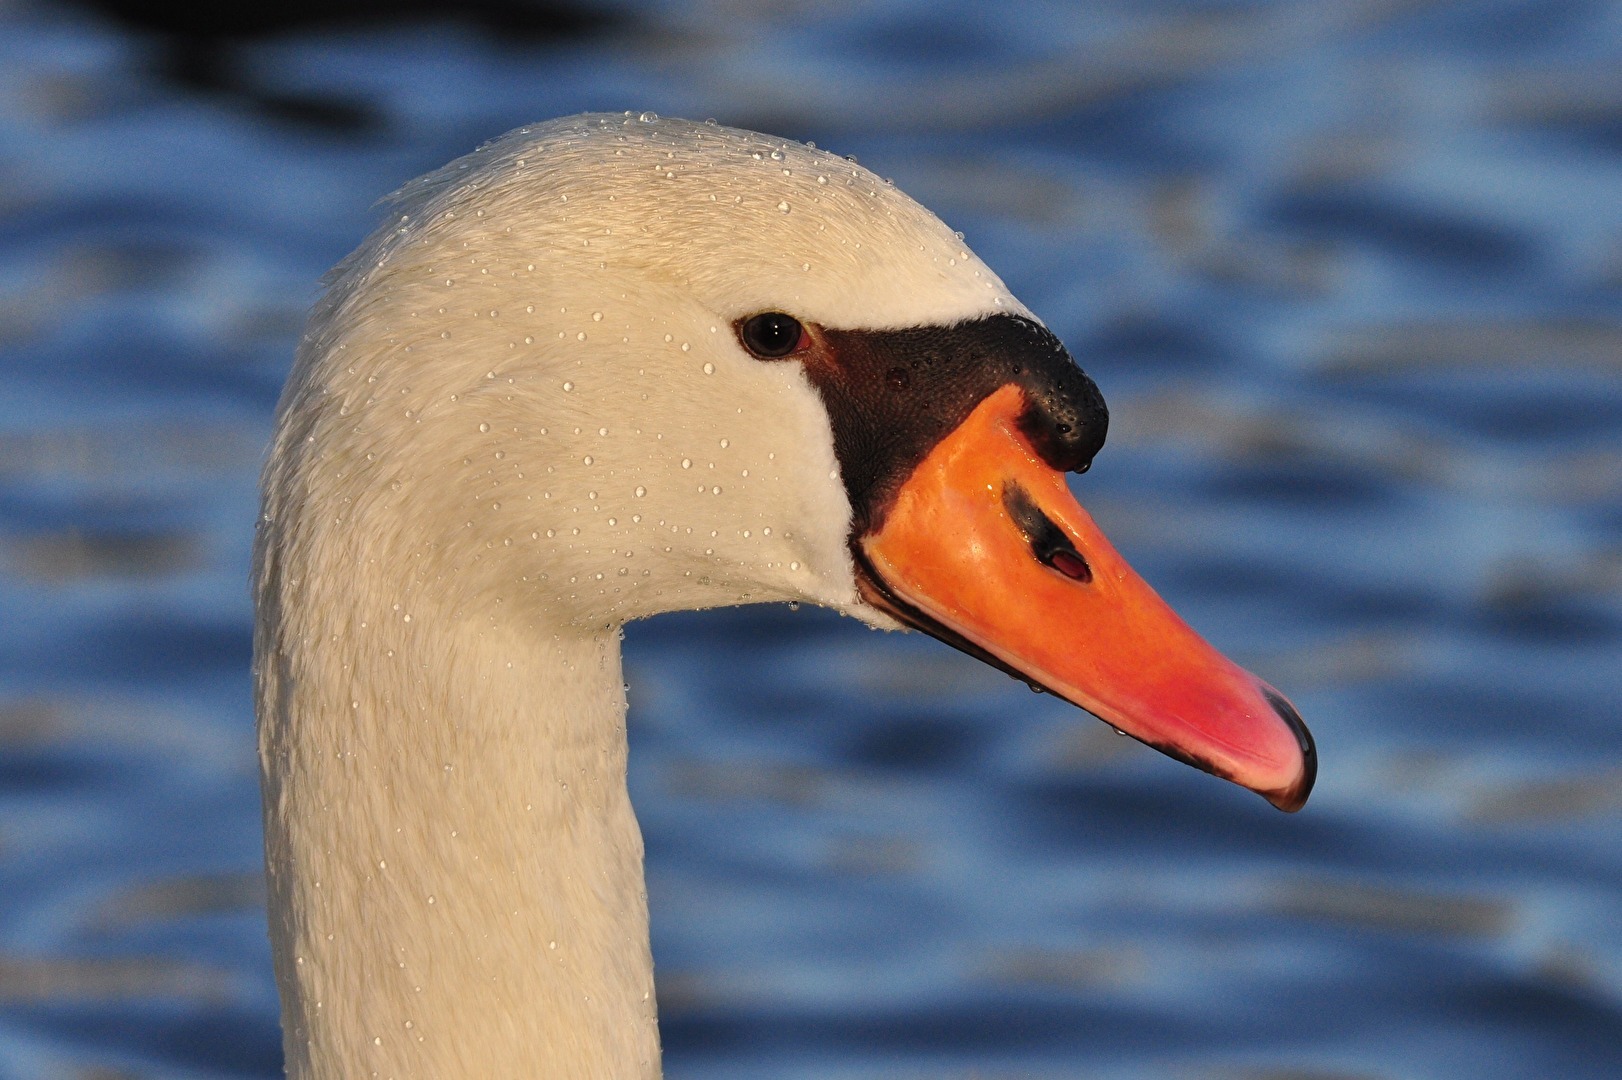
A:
(602, 368)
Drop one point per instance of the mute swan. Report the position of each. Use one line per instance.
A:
(601, 368)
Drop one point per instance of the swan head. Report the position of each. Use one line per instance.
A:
(610, 366)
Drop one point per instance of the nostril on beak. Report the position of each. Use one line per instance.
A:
(1049, 543)
(1068, 562)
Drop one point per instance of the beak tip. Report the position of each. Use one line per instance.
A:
(1294, 796)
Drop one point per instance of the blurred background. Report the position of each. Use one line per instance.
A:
(1349, 273)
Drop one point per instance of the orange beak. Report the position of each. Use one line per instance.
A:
(986, 548)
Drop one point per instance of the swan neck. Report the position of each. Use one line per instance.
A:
(456, 881)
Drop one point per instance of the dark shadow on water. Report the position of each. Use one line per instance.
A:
(1353, 600)
(1099, 812)
(1530, 407)
(199, 48)
(1306, 484)
(1564, 1018)
(27, 771)
(953, 1028)
(1556, 1032)
(919, 742)
(1424, 234)
(141, 648)
(1514, 28)
(1158, 342)
(223, 1040)
(1571, 621)
(1124, 126)
(746, 627)
(1502, 715)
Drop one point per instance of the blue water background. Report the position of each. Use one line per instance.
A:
(1350, 277)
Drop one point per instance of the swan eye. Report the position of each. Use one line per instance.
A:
(773, 335)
